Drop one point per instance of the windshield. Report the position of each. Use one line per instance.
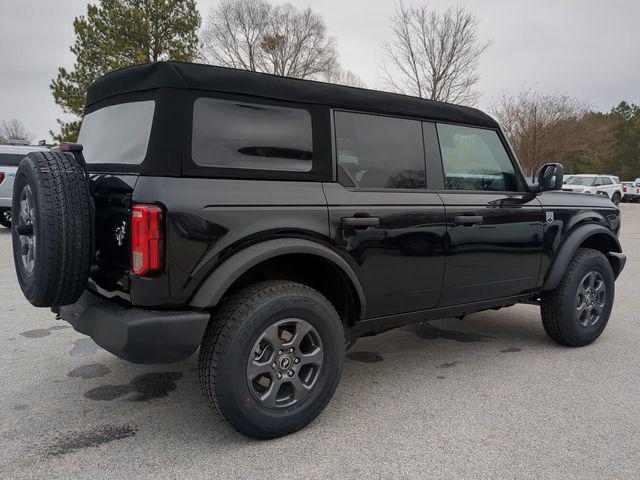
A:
(580, 181)
(117, 134)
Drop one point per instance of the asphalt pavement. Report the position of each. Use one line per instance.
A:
(489, 396)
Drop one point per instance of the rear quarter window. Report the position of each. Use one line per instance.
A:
(243, 135)
(118, 134)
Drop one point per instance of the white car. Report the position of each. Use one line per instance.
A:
(608, 185)
(10, 157)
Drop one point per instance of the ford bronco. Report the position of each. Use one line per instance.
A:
(269, 222)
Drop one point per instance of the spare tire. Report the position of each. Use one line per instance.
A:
(52, 228)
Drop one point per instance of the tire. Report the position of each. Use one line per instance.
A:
(616, 198)
(232, 340)
(561, 317)
(53, 228)
(5, 217)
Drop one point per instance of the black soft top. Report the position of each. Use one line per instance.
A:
(191, 76)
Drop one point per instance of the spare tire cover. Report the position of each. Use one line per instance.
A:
(52, 229)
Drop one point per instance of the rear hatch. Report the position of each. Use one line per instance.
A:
(115, 140)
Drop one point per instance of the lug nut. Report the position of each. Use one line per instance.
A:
(279, 375)
(279, 352)
(296, 360)
(291, 350)
(290, 373)
(273, 365)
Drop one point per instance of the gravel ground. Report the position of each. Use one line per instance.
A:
(487, 397)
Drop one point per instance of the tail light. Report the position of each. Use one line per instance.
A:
(147, 242)
(624, 189)
(1, 177)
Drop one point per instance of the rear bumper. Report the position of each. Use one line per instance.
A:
(136, 334)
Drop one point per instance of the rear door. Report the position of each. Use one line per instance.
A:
(382, 219)
(494, 226)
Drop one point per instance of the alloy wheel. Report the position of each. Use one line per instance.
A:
(590, 299)
(25, 227)
(285, 363)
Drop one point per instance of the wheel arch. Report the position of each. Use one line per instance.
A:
(596, 237)
(295, 259)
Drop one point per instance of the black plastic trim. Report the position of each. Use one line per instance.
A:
(137, 334)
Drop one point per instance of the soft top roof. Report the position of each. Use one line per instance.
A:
(193, 76)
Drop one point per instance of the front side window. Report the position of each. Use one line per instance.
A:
(118, 134)
(475, 159)
(379, 152)
(242, 135)
(606, 181)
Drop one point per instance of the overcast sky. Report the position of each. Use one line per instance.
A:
(589, 49)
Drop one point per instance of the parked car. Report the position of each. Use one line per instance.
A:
(270, 222)
(10, 156)
(608, 185)
(630, 191)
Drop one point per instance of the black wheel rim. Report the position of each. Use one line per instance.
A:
(25, 227)
(285, 363)
(590, 299)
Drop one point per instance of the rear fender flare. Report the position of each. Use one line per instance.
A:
(569, 248)
(215, 286)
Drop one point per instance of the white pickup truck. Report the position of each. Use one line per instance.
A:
(631, 191)
(10, 157)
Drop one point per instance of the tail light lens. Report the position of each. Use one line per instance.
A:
(1, 177)
(147, 243)
(624, 189)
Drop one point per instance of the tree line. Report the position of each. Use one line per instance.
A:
(428, 53)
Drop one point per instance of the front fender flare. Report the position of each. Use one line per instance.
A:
(569, 248)
(215, 286)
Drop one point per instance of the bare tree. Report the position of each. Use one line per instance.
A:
(548, 127)
(345, 77)
(14, 129)
(433, 55)
(282, 40)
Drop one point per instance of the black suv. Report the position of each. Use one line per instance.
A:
(269, 222)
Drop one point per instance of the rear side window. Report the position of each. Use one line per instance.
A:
(379, 152)
(232, 134)
(118, 134)
(475, 159)
(606, 181)
(11, 159)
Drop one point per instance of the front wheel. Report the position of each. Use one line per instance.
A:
(577, 311)
(5, 217)
(272, 358)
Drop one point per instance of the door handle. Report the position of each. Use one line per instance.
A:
(360, 222)
(467, 219)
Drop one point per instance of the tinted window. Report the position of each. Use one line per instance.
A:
(474, 159)
(597, 182)
(11, 159)
(232, 134)
(606, 181)
(117, 134)
(379, 152)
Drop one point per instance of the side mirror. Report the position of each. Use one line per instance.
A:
(550, 177)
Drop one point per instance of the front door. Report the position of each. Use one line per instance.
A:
(494, 227)
(382, 219)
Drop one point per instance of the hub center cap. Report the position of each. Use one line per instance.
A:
(284, 362)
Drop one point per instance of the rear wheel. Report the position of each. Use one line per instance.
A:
(577, 311)
(616, 198)
(53, 229)
(5, 217)
(272, 358)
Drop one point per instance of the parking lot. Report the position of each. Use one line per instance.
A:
(486, 397)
